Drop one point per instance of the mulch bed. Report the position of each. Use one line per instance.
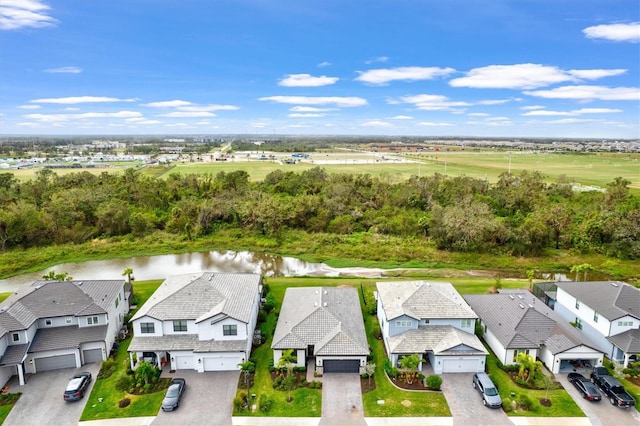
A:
(367, 385)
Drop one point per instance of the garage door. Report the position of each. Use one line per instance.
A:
(184, 362)
(459, 365)
(341, 366)
(55, 362)
(92, 355)
(222, 363)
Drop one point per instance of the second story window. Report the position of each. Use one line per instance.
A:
(404, 323)
(577, 304)
(92, 320)
(68, 320)
(578, 324)
(595, 317)
(230, 330)
(147, 327)
(180, 325)
(15, 337)
(465, 323)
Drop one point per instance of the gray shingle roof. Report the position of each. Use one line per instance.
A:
(186, 342)
(329, 318)
(202, 296)
(611, 299)
(422, 300)
(14, 354)
(439, 339)
(49, 339)
(519, 322)
(628, 341)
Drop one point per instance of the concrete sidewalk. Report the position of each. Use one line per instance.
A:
(126, 421)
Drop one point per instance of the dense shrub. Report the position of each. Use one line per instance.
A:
(124, 383)
(265, 403)
(525, 402)
(270, 303)
(633, 372)
(434, 382)
(107, 368)
(391, 371)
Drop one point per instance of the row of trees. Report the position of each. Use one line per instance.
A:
(520, 215)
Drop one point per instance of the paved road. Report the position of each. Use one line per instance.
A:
(601, 413)
(41, 401)
(466, 405)
(208, 399)
(342, 400)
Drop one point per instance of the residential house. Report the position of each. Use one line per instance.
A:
(432, 320)
(515, 321)
(325, 325)
(202, 322)
(606, 311)
(51, 325)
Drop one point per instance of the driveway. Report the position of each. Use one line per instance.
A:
(41, 400)
(341, 400)
(600, 413)
(466, 405)
(207, 400)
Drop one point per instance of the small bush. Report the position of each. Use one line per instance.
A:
(272, 367)
(391, 371)
(300, 369)
(270, 303)
(123, 383)
(107, 368)
(434, 382)
(633, 372)
(147, 387)
(265, 403)
(237, 403)
(525, 402)
(124, 402)
(262, 315)
(315, 385)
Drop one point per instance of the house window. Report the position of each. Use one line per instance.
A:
(466, 323)
(595, 317)
(15, 337)
(92, 320)
(577, 304)
(519, 351)
(426, 321)
(147, 327)
(230, 330)
(180, 325)
(578, 323)
(625, 323)
(68, 320)
(47, 322)
(404, 323)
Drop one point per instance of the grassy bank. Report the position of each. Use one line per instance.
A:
(364, 250)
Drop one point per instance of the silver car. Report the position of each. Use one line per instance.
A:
(490, 396)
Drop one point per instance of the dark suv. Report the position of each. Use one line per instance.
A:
(490, 396)
(77, 386)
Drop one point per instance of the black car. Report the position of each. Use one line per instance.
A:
(172, 398)
(77, 386)
(587, 389)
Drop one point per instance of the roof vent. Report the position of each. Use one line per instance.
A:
(511, 296)
(520, 297)
(614, 284)
(325, 304)
(530, 305)
(326, 292)
(521, 305)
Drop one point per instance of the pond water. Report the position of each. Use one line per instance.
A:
(228, 261)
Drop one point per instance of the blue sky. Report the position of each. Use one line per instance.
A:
(526, 68)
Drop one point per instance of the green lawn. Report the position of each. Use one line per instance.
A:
(562, 404)
(3, 296)
(7, 401)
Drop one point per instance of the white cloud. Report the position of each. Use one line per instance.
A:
(306, 80)
(401, 117)
(615, 32)
(15, 14)
(311, 109)
(532, 107)
(526, 76)
(317, 100)
(211, 107)
(80, 100)
(188, 114)
(28, 124)
(493, 102)
(589, 93)
(65, 70)
(385, 75)
(305, 115)
(574, 112)
(478, 114)
(29, 107)
(203, 122)
(168, 104)
(431, 102)
(378, 59)
(433, 124)
(82, 116)
(149, 122)
(572, 121)
(72, 109)
(324, 64)
(376, 123)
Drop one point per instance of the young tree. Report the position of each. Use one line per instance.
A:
(286, 361)
(528, 366)
(128, 272)
(247, 367)
(146, 372)
(370, 369)
(409, 365)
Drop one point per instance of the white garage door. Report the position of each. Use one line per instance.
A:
(460, 365)
(55, 362)
(184, 362)
(222, 363)
(92, 355)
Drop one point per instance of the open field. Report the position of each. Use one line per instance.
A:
(596, 169)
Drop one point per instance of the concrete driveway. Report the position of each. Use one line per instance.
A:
(600, 413)
(342, 400)
(465, 402)
(41, 401)
(208, 399)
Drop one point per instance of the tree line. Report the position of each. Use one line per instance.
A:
(518, 215)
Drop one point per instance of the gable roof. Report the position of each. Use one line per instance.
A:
(519, 322)
(423, 299)
(628, 341)
(329, 318)
(202, 296)
(440, 339)
(48, 299)
(611, 299)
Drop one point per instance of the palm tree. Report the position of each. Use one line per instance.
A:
(247, 367)
(128, 272)
(286, 361)
(52, 276)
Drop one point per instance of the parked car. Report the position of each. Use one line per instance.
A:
(77, 386)
(587, 389)
(172, 398)
(615, 392)
(490, 396)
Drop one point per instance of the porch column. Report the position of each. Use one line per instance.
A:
(20, 374)
(625, 362)
(131, 360)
